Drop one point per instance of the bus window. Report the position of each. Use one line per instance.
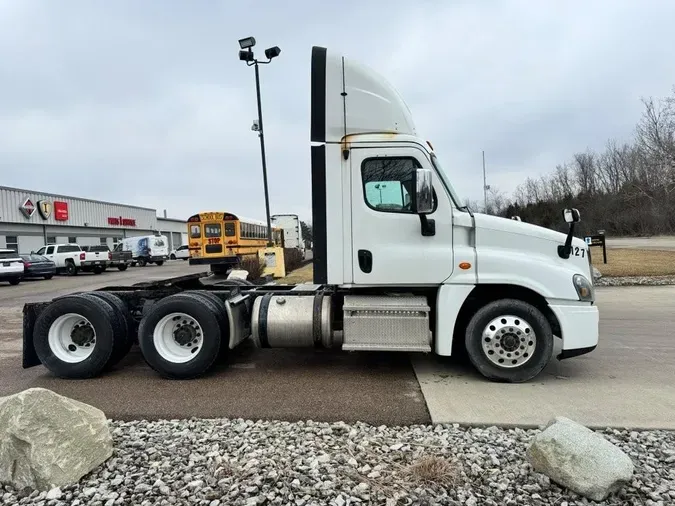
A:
(212, 230)
(195, 232)
(229, 229)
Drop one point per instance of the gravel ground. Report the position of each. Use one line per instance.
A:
(231, 462)
(635, 281)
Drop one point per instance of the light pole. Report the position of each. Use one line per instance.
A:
(246, 55)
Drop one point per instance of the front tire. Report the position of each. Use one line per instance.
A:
(49, 276)
(173, 257)
(160, 262)
(509, 340)
(14, 281)
(142, 262)
(180, 336)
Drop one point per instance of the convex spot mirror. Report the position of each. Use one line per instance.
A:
(572, 215)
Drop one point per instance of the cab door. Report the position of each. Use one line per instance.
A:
(388, 245)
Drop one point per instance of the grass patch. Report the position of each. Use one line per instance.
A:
(433, 470)
(302, 275)
(634, 262)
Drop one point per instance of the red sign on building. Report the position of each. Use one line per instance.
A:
(60, 210)
(119, 221)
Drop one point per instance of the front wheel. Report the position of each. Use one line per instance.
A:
(173, 257)
(71, 269)
(509, 340)
(49, 276)
(14, 281)
(142, 262)
(160, 262)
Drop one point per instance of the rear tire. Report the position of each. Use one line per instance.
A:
(173, 257)
(126, 325)
(122, 267)
(142, 262)
(97, 270)
(180, 336)
(74, 336)
(15, 281)
(71, 269)
(160, 262)
(509, 340)
(218, 307)
(49, 276)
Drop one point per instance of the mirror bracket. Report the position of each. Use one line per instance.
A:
(428, 225)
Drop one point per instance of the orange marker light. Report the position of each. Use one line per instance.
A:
(465, 265)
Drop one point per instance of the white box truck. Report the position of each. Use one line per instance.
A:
(399, 264)
(147, 249)
(290, 224)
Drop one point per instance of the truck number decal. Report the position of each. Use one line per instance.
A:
(579, 252)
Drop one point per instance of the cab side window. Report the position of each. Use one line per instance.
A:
(389, 183)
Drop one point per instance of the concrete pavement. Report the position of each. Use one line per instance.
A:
(629, 380)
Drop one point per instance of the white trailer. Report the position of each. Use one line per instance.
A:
(399, 265)
(290, 224)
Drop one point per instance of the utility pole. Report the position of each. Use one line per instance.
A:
(485, 186)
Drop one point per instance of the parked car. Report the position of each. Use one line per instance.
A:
(11, 266)
(37, 266)
(147, 249)
(180, 252)
(70, 258)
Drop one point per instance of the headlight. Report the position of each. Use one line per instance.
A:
(584, 288)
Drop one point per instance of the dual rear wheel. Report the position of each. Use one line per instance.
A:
(83, 335)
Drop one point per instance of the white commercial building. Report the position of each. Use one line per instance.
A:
(31, 219)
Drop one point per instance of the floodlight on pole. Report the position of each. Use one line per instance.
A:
(247, 55)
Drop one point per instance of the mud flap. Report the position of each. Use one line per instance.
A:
(30, 313)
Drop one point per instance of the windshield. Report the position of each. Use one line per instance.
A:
(446, 182)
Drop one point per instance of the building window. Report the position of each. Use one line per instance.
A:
(116, 240)
(12, 242)
(51, 239)
(72, 240)
(104, 241)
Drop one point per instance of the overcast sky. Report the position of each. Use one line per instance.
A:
(146, 103)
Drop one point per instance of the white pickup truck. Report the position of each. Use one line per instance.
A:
(70, 258)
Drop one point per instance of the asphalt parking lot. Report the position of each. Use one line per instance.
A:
(627, 381)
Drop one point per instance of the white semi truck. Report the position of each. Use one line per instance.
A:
(399, 265)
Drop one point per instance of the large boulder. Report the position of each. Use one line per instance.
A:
(48, 440)
(578, 458)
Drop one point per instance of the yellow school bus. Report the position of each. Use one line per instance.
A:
(224, 238)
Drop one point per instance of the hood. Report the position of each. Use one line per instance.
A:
(489, 222)
(509, 251)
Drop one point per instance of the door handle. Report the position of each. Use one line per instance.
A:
(365, 260)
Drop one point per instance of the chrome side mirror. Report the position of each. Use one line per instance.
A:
(424, 200)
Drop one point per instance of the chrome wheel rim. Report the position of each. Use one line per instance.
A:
(508, 341)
